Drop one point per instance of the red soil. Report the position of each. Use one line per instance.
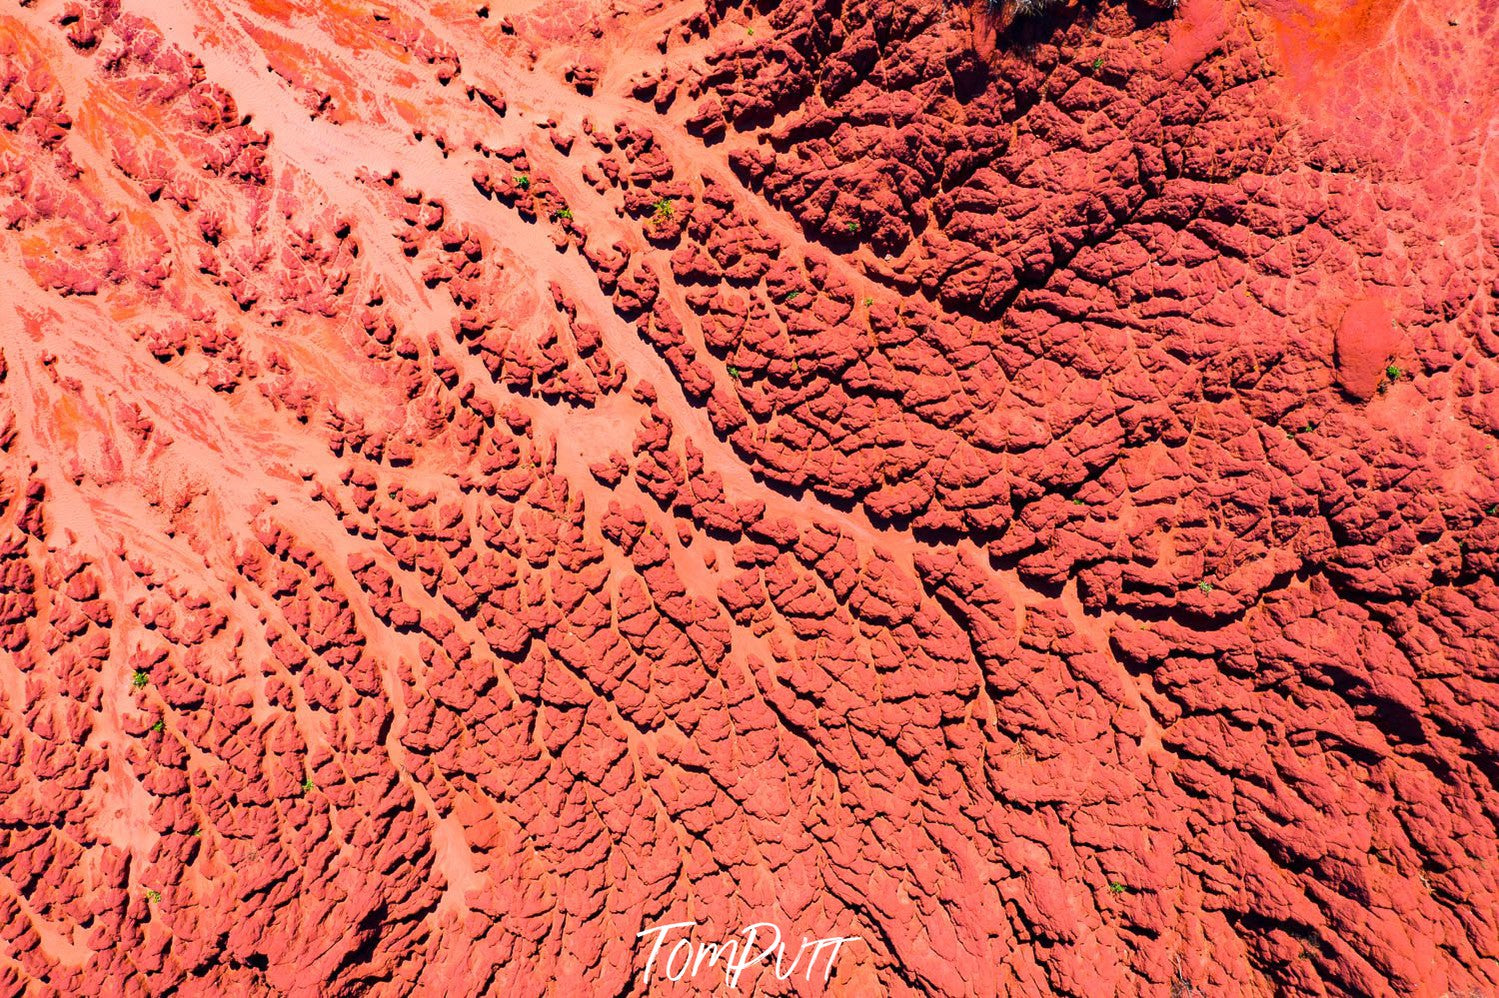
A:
(477, 482)
(1365, 344)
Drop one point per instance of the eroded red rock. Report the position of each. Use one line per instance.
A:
(1019, 491)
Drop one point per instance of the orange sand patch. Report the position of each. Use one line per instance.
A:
(1316, 39)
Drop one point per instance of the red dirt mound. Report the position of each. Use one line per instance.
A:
(1366, 341)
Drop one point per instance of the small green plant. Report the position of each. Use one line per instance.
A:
(1098, 64)
(733, 372)
(153, 895)
(139, 679)
(792, 296)
(1078, 502)
(1205, 586)
(158, 725)
(197, 833)
(853, 226)
(1116, 888)
(1394, 373)
(750, 32)
(868, 301)
(522, 181)
(1494, 509)
(662, 211)
(307, 785)
(563, 214)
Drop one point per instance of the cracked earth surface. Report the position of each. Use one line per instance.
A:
(479, 481)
